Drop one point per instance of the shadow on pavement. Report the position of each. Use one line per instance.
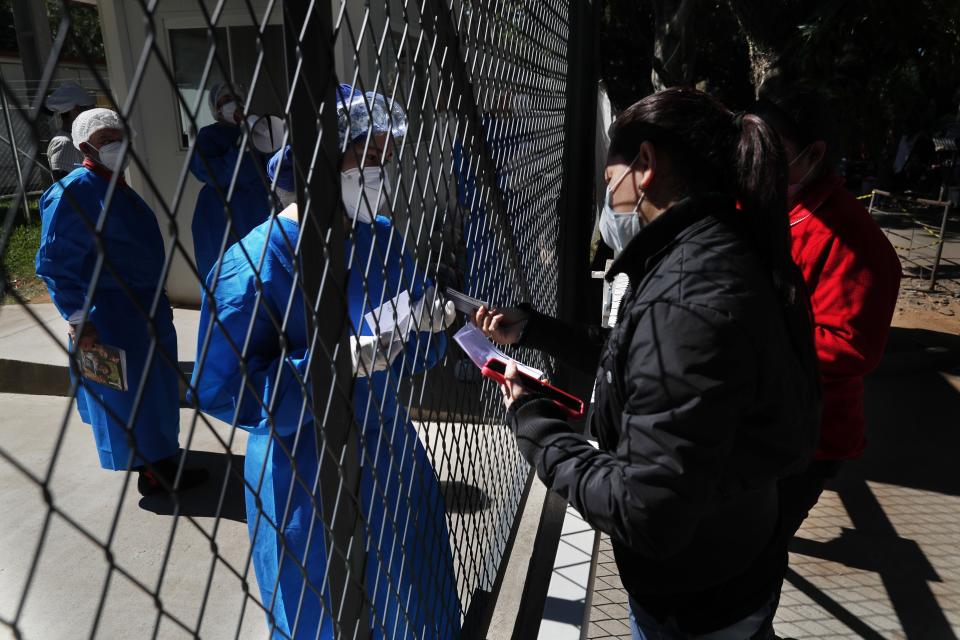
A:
(913, 439)
(204, 501)
(913, 429)
(834, 608)
(460, 497)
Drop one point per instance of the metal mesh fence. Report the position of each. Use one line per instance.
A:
(17, 148)
(923, 233)
(360, 481)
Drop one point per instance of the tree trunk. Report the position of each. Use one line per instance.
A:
(673, 50)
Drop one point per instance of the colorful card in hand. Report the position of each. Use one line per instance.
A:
(104, 365)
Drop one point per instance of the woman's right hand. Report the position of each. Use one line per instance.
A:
(504, 326)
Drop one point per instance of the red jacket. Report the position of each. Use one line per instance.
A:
(853, 276)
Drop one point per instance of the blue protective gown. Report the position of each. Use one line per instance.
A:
(479, 237)
(213, 163)
(409, 564)
(134, 248)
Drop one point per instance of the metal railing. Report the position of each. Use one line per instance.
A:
(918, 228)
(380, 487)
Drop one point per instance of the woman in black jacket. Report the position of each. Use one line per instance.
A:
(706, 391)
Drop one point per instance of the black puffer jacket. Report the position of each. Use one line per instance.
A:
(706, 394)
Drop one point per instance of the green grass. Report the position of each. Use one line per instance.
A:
(18, 259)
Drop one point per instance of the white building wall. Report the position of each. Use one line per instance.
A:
(171, 190)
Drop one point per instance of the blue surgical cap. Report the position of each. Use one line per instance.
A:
(383, 116)
(358, 113)
(280, 166)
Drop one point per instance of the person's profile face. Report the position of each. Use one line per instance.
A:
(623, 182)
(102, 137)
(801, 160)
(361, 155)
(224, 99)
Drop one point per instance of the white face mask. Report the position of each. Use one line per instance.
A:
(618, 229)
(363, 193)
(228, 111)
(109, 157)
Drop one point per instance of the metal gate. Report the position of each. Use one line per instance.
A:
(379, 488)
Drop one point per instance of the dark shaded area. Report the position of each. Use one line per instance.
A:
(835, 609)
(565, 611)
(460, 497)
(34, 378)
(204, 501)
(873, 545)
(911, 412)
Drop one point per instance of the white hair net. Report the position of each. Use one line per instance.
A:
(359, 113)
(93, 120)
(67, 96)
(220, 89)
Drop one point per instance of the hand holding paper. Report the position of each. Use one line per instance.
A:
(504, 326)
(514, 378)
(481, 351)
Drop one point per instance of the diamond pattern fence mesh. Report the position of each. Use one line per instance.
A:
(361, 483)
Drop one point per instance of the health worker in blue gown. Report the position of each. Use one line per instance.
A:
(213, 163)
(409, 568)
(126, 436)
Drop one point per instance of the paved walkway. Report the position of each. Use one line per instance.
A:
(33, 333)
(879, 556)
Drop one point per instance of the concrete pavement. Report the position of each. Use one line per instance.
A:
(33, 348)
(95, 512)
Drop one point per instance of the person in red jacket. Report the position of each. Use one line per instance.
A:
(853, 279)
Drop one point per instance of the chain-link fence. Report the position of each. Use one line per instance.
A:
(923, 232)
(17, 147)
(422, 145)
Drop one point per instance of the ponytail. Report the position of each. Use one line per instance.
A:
(761, 178)
(715, 150)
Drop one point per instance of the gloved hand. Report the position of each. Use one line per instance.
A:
(370, 354)
(431, 313)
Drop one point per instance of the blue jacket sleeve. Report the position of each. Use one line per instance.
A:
(66, 256)
(215, 155)
(254, 388)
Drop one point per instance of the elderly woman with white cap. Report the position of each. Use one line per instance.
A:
(67, 102)
(215, 158)
(79, 225)
(409, 576)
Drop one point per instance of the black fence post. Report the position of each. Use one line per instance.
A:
(576, 206)
(313, 135)
(575, 301)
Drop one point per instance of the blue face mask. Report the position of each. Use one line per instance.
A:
(618, 229)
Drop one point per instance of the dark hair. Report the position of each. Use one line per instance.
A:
(799, 113)
(715, 150)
